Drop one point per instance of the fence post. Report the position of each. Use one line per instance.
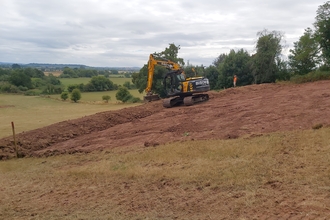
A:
(14, 136)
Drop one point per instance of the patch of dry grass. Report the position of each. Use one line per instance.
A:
(156, 183)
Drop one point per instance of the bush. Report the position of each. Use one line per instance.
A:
(311, 77)
(32, 93)
(76, 86)
(22, 88)
(75, 95)
(64, 95)
(123, 94)
(14, 89)
(52, 89)
(5, 86)
(106, 98)
(129, 85)
(135, 100)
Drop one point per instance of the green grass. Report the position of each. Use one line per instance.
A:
(31, 112)
(96, 97)
(71, 81)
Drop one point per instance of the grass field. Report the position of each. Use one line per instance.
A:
(96, 97)
(115, 80)
(31, 112)
(106, 185)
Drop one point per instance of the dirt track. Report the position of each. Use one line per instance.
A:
(231, 113)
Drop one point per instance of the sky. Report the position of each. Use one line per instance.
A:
(117, 33)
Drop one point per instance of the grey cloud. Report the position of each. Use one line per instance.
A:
(118, 33)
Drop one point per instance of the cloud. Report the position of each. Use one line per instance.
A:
(124, 33)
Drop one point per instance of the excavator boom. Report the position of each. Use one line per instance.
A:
(151, 68)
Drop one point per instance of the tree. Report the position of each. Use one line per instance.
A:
(304, 57)
(64, 95)
(18, 78)
(15, 66)
(115, 72)
(128, 85)
(100, 83)
(212, 74)
(220, 59)
(75, 95)
(322, 32)
(69, 73)
(269, 49)
(171, 53)
(235, 63)
(106, 98)
(123, 94)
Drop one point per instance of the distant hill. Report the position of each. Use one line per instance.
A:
(50, 67)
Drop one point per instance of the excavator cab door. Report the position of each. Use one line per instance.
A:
(173, 83)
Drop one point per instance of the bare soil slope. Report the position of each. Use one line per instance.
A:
(231, 113)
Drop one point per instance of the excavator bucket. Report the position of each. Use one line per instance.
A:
(150, 98)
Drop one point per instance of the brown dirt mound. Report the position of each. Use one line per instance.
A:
(232, 113)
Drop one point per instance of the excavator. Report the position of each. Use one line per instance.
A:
(178, 88)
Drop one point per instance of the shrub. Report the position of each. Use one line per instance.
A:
(23, 88)
(311, 77)
(14, 89)
(32, 93)
(123, 94)
(106, 98)
(75, 95)
(134, 100)
(64, 95)
(5, 86)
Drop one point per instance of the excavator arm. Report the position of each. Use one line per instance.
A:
(151, 69)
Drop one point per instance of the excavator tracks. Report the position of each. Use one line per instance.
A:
(187, 101)
(191, 100)
(171, 102)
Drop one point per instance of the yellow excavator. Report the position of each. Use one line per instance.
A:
(179, 89)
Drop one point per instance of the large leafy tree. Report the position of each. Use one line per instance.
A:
(235, 63)
(268, 51)
(99, 83)
(219, 60)
(19, 78)
(212, 74)
(304, 56)
(171, 53)
(140, 79)
(322, 32)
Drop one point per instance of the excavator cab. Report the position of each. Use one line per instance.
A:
(173, 82)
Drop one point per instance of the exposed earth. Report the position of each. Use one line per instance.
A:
(232, 113)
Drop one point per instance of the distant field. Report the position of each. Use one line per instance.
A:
(115, 80)
(31, 112)
(55, 73)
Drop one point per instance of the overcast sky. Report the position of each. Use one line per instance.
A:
(111, 33)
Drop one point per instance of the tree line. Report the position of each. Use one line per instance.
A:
(32, 81)
(310, 55)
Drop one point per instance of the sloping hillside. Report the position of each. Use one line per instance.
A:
(231, 113)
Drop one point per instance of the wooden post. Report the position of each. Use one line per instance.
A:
(14, 136)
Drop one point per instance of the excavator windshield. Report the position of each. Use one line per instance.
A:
(181, 77)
